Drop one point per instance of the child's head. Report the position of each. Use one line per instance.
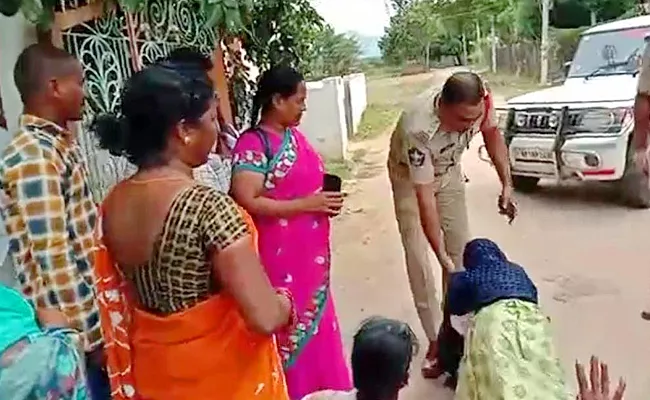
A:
(50, 81)
(381, 356)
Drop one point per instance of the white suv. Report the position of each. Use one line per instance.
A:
(582, 128)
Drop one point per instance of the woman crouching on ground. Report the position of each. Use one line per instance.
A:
(187, 311)
(508, 350)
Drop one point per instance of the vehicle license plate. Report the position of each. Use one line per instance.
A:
(532, 154)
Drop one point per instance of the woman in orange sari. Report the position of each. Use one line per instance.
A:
(187, 311)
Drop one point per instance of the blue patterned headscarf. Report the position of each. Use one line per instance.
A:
(482, 252)
(488, 277)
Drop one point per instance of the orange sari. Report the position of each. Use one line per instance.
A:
(206, 352)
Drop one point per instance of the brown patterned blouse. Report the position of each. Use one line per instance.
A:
(180, 273)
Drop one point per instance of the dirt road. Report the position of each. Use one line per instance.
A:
(588, 255)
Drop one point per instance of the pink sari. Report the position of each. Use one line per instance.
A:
(296, 254)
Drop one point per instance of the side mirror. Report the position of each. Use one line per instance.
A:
(566, 67)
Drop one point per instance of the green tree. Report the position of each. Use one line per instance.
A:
(424, 30)
(280, 31)
(449, 27)
(604, 10)
(398, 44)
(577, 13)
(341, 53)
(528, 19)
(400, 5)
(332, 55)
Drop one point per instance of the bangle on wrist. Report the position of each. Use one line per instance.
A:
(287, 346)
(293, 315)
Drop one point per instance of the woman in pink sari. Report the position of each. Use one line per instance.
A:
(278, 179)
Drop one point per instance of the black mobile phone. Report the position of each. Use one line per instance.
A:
(332, 183)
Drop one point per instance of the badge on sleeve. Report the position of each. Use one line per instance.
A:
(416, 157)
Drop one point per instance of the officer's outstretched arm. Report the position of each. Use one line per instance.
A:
(642, 104)
(641, 121)
(430, 220)
(429, 217)
(422, 176)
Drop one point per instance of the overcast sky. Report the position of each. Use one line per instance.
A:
(368, 17)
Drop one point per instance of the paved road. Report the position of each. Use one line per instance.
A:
(588, 255)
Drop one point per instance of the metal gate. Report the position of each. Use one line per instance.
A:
(110, 49)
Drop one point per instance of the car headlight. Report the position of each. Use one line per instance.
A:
(602, 120)
(520, 120)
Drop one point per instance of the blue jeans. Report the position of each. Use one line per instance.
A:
(98, 383)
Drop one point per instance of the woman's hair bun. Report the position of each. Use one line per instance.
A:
(112, 133)
(153, 101)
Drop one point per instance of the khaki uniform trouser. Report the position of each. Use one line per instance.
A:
(450, 196)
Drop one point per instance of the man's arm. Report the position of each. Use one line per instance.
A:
(35, 185)
(429, 217)
(495, 144)
(422, 176)
(642, 105)
(641, 121)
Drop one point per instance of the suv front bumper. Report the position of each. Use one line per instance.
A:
(563, 151)
(593, 158)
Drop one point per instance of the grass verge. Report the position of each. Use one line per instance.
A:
(387, 97)
(342, 168)
(376, 119)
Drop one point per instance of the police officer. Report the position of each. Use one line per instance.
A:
(428, 185)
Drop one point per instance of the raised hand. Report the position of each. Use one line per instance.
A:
(598, 386)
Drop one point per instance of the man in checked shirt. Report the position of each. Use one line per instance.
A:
(49, 212)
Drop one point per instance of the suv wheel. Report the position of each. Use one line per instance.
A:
(524, 183)
(635, 187)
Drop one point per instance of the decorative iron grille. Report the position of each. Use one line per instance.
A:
(104, 48)
(68, 5)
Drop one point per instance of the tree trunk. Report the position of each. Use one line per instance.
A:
(545, 45)
(493, 37)
(514, 52)
(465, 55)
(427, 53)
(479, 46)
(594, 20)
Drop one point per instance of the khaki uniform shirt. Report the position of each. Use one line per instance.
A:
(430, 152)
